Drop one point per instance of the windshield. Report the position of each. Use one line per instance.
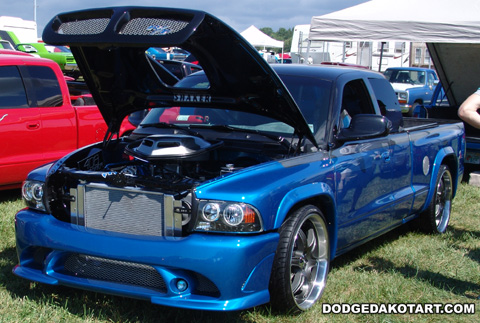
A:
(6, 45)
(208, 117)
(310, 94)
(405, 76)
(58, 49)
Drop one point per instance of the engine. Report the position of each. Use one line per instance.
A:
(167, 164)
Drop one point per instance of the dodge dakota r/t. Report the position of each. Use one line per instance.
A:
(241, 184)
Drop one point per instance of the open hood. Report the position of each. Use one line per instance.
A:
(457, 69)
(109, 46)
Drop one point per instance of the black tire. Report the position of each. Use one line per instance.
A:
(301, 262)
(410, 112)
(436, 217)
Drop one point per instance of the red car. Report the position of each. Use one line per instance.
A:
(38, 123)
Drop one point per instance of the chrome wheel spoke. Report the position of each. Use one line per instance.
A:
(309, 261)
(443, 201)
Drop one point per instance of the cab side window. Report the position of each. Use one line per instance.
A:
(431, 79)
(44, 89)
(355, 100)
(387, 101)
(12, 90)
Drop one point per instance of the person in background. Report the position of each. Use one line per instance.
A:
(468, 111)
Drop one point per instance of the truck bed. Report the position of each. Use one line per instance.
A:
(411, 124)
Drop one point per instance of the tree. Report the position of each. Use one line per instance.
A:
(282, 34)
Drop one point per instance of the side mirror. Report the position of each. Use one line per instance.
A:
(366, 126)
(27, 48)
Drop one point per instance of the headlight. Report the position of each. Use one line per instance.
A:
(32, 192)
(222, 216)
(211, 212)
(403, 95)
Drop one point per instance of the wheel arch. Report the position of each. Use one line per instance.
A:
(419, 101)
(445, 156)
(320, 195)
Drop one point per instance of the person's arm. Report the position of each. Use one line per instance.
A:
(468, 110)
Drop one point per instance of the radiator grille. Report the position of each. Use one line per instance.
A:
(121, 272)
(123, 210)
(84, 27)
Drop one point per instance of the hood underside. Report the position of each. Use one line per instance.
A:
(109, 46)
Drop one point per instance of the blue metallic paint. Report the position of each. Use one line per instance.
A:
(238, 265)
(363, 187)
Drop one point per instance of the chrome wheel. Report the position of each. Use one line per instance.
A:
(301, 263)
(309, 261)
(443, 200)
(436, 217)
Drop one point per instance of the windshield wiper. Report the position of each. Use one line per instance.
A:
(226, 128)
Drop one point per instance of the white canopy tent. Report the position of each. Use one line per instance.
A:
(259, 39)
(451, 30)
(443, 21)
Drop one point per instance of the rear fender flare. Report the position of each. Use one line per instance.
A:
(441, 156)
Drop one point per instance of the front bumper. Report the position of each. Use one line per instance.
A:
(222, 272)
(405, 108)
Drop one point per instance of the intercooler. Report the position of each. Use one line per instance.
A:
(125, 210)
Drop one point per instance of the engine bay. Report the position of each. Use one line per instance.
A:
(165, 163)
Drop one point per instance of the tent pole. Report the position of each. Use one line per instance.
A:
(381, 57)
(308, 48)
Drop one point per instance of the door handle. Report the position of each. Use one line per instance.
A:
(33, 126)
(386, 156)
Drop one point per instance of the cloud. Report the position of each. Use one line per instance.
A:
(238, 14)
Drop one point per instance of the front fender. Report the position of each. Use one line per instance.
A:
(307, 192)
(40, 174)
(423, 94)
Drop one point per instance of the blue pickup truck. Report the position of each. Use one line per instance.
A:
(242, 183)
(413, 85)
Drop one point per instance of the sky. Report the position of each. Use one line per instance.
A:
(239, 14)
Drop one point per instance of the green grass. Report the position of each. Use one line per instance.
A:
(403, 266)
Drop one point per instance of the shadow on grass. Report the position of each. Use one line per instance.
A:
(474, 255)
(360, 251)
(459, 234)
(456, 286)
(10, 195)
(97, 306)
(438, 280)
